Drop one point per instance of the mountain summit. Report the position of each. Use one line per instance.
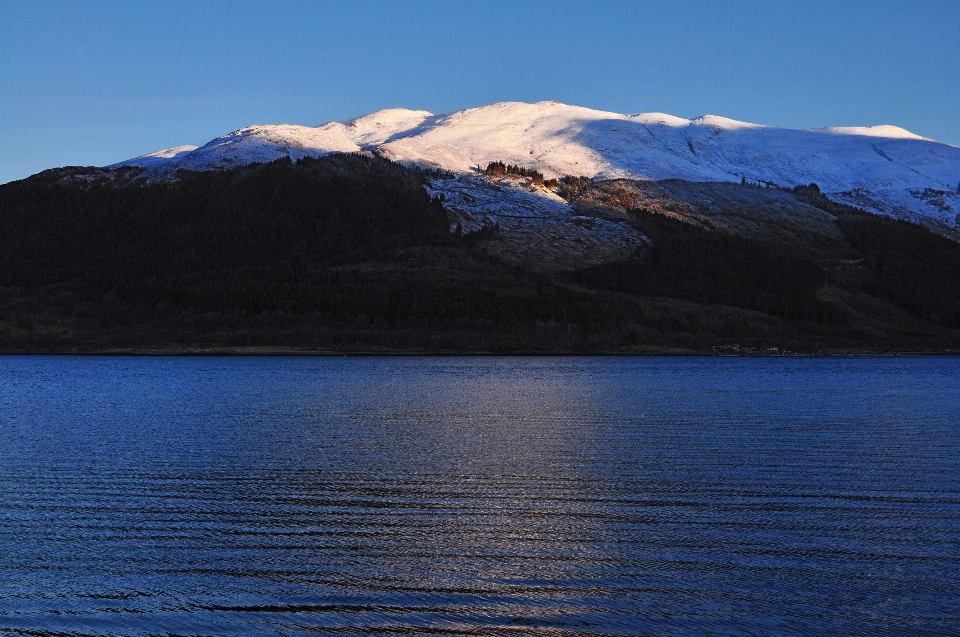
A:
(884, 169)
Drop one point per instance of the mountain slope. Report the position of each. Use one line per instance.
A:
(883, 169)
(355, 253)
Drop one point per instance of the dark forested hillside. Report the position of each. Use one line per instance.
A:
(279, 215)
(350, 253)
(908, 265)
(690, 262)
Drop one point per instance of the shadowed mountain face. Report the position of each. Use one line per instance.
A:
(356, 253)
(771, 215)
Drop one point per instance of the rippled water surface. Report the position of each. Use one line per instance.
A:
(480, 496)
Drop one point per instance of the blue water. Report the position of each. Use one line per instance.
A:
(479, 496)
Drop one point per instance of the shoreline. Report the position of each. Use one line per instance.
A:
(386, 352)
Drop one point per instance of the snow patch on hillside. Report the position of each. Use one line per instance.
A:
(538, 229)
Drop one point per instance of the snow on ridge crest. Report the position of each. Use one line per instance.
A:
(883, 130)
(157, 157)
(661, 119)
(260, 143)
(170, 153)
(881, 168)
(718, 121)
(376, 128)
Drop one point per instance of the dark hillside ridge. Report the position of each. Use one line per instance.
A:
(349, 253)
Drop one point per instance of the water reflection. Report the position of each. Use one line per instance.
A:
(481, 496)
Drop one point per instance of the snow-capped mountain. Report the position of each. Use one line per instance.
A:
(884, 169)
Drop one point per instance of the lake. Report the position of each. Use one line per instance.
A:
(479, 496)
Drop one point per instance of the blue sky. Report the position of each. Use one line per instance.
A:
(90, 83)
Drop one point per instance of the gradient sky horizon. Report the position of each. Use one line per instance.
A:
(92, 83)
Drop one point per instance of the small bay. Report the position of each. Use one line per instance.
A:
(479, 495)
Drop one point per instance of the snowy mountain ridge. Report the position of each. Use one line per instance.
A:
(884, 169)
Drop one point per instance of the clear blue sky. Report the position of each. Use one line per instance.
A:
(90, 83)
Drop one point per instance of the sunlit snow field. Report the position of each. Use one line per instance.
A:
(883, 169)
